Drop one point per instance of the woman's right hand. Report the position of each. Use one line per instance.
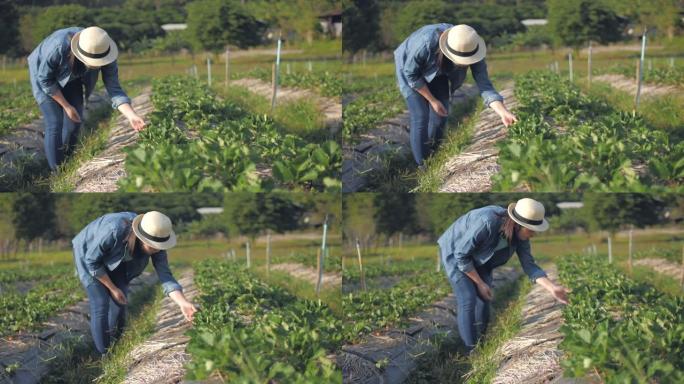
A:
(119, 296)
(72, 113)
(438, 107)
(485, 292)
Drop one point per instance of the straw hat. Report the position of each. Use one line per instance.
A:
(94, 47)
(154, 229)
(462, 45)
(529, 213)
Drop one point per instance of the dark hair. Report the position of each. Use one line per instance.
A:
(508, 227)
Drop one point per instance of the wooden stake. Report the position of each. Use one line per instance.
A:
(227, 74)
(640, 71)
(610, 249)
(209, 71)
(630, 251)
(439, 260)
(319, 268)
(249, 256)
(589, 67)
(570, 65)
(358, 252)
(268, 253)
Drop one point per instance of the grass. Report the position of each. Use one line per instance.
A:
(459, 130)
(449, 363)
(302, 288)
(300, 117)
(81, 363)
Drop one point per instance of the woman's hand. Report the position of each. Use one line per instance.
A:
(119, 296)
(72, 114)
(188, 310)
(136, 122)
(560, 293)
(438, 107)
(507, 118)
(485, 292)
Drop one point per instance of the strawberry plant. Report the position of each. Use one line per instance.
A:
(198, 142)
(249, 331)
(566, 140)
(374, 101)
(17, 107)
(622, 330)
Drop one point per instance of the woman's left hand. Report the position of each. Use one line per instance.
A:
(560, 293)
(188, 310)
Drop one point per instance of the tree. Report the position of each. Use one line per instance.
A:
(361, 25)
(213, 24)
(576, 22)
(9, 19)
(33, 215)
(613, 211)
(395, 213)
(251, 214)
(415, 14)
(61, 16)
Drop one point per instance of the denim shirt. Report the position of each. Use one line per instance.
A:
(49, 70)
(100, 246)
(416, 65)
(472, 239)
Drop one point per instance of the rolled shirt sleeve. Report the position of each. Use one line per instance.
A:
(46, 74)
(532, 270)
(464, 253)
(94, 256)
(416, 57)
(161, 265)
(110, 77)
(481, 77)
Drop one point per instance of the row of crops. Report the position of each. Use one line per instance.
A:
(373, 100)
(623, 330)
(669, 75)
(566, 140)
(249, 331)
(326, 83)
(195, 141)
(17, 107)
(44, 291)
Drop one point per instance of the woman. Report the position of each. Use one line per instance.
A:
(59, 68)
(478, 242)
(109, 253)
(426, 62)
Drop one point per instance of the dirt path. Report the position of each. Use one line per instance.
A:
(101, 173)
(30, 353)
(27, 142)
(473, 168)
(397, 350)
(674, 270)
(532, 356)
(162, 357)
(390, 138)
(629, 85)
(309, 274)
(331, 108)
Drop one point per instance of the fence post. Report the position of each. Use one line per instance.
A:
(227, 67)
(630, 250)
(310, 66)
(589, 67)
(268, 253)
(209, 71)
(610, 249)
(671, 62)
(276, 69)
(439, 259)
(640, 71)
(321, 257)
(570, 65)
(249, 256)
(361, 274)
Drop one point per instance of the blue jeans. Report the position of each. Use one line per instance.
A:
(472, 313)
(107, 317)
(61, 134)
(426, 125)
